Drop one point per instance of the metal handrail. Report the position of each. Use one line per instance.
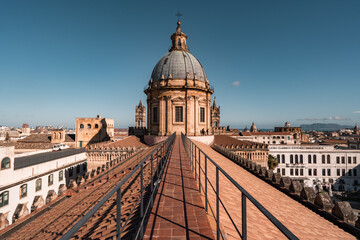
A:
(164, 149)
(192, 149)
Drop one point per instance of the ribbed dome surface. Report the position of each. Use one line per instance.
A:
(179, 64)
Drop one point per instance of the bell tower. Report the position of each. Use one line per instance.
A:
(140, 115)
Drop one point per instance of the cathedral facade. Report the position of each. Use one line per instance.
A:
(179, 93)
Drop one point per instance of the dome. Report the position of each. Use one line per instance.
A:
(178, 65)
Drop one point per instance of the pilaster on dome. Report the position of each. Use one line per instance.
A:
(178, 40)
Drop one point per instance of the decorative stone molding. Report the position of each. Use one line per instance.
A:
(20, 211)
(285, 182)
(4, 222)
(51, 196)
(37, 203)
(344, 211)
(323, 200)
(296, 187)
(62, 189)
(308, 193)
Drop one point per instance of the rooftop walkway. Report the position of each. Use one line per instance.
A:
(300, 220)
(178, 211)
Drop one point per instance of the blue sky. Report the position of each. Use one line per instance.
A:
(269, 61)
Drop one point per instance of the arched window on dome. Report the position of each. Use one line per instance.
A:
(89, 126)
(179, 43)
(96, 125)
(81, 125)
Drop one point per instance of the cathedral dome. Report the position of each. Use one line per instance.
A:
(178, 64)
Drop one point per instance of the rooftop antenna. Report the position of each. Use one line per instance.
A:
(178, 14)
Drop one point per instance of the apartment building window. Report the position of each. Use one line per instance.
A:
(329, 172)
(50, 179)
(155, 114)
(355, 182)
(355, 172)
(296, 159)
(343, 172)
(38, 184)
(61, 175)
(301, 172)
(278, 170)
(5, 163)
(315, 172)
(328, 159)
(324, 172)
(338, 172)
(354, 160)
(178, 114)
(309, 158)
(202, 114)
(349, 159)
(23, 190)
(301, 159)
(296, 172)
(323, 159)
(278, 157)
(338, 160)
(314, 159)
(350, 172)
(4, 198)
(291, 172)
(283, 158)
(291, 159)
(343, 160)
(283, 171)
(309, 172)
(78, 169)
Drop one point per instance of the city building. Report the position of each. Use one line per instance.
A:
(28, 183)
(257, 152)
(266, 137)
(105, 155)
(25, 129)
(325, 164)
(178, 93)
(354, 144)
(93, 130)
(297, 132)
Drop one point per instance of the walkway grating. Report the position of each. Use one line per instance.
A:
(178, 211)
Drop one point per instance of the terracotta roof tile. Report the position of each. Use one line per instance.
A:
(300, 220)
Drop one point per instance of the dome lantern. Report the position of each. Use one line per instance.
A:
(178, 40)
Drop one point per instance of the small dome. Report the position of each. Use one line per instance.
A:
(178, 65)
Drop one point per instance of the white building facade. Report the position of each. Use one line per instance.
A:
(28, 183)
(319, 164)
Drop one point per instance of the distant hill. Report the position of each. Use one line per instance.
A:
(324, 127)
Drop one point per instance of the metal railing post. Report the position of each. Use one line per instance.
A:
(157, 164)
(243, 216)
(206, 199)
(217, 206)
(195, 160)
(199, 173)
(142, 198)
(151, 165)
(118, 214)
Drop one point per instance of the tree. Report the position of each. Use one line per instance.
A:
(272, 162)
